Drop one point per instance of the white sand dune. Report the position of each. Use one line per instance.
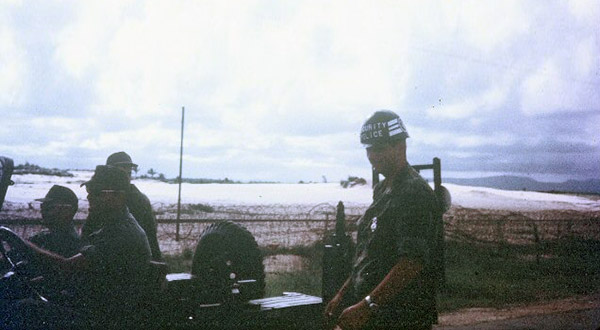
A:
(29, 187)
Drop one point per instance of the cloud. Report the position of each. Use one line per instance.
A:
(564, 76)
(489, 26)
(281, 88)
(158, 57)
(476, 105)
(586, 10)
(13, 69)
(551, 88)
(145, 137)
(81, 43)
(589, 130)
(586, 59)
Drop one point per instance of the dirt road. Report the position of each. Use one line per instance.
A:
(572, 313)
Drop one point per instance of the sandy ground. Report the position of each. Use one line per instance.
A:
(572, 313)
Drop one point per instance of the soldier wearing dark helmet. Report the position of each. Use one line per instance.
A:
(58, 209)
(394, 277)
(108, 272)
(118, 251)
(137, 202)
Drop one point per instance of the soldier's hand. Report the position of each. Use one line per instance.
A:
(330, 312)
(354, 317)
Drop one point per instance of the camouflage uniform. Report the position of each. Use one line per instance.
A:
(401, 222)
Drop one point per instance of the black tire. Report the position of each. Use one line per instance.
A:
(228, 253)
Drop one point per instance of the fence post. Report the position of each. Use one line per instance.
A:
(538, 245)
(337, 257)
(437, 174)
(571, 235)
(500, 235)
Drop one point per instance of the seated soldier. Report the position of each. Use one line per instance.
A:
(58, 209)
(137, 202)
(111, 268)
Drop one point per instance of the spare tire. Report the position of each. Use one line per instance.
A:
(227, 254)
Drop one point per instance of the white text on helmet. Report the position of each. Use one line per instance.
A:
(373, 126)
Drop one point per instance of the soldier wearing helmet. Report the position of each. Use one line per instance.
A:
(58, 209)
(393, 281)
(137, 202)
(109, 271)
(382, 127)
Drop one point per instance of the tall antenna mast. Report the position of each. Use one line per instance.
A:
(180, 175)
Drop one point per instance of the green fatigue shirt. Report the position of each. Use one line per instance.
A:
(119, 255)
(62, 241)
(141, 209)
(401, 222)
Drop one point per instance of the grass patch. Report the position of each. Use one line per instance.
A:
(201, 208)
(492, 276)
(307, 280)
(304, 281)
(312, 252)
(477, 276)
(180, 263)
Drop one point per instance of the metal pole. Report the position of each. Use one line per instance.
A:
(180, 175)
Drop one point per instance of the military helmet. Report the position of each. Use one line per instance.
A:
(120, 158)
(107, 178)
(60, 195)
(382, 127)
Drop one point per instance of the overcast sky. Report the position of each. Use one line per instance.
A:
(277, 90)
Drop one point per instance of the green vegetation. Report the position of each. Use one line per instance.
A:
(313, 252)
(495, 276)
(201, 208)
(200, 181)
(353, 181)
(152, 174)
(161, 177)
(477, 276)
(181, 263)
(306, 280)
(35, 169)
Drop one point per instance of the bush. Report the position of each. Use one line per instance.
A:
(353, 181)
(35, 169)
(201, 208)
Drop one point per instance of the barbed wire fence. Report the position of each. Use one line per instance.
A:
(288, 226)
(273, 226)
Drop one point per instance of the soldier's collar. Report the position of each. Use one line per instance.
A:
(402, 175)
